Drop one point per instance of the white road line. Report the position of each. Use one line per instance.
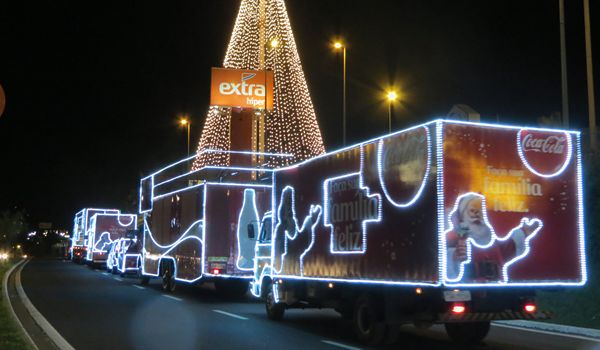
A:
(524, 329)
(119, 279)
(105, 273)
(230, 314)
(340, 345)
(10, 307)
(138, 287)
(172, 297)
(50, 331)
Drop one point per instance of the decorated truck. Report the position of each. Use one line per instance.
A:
(78, 249)
(448, 222)
(196, 224)
(104, 230)
(124, 254)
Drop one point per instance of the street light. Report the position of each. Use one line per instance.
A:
(391, 97)
(186, 123)
(338, 45)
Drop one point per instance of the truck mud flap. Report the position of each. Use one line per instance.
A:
(494, 316)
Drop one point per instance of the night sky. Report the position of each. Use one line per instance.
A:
(94, 88)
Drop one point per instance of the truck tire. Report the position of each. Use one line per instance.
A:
(168, 278)
(367, 321)
(231, 288)
(275, 311)
(467, 333)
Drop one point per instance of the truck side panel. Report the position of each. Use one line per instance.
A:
(173, 232)
(364, 214)
(526, 183)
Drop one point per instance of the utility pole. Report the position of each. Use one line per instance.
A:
(590, 77)
(563, 65)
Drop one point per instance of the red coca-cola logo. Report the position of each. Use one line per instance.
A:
(544, 153)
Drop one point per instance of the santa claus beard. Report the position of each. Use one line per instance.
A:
(480, 232)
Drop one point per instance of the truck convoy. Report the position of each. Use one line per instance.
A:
(447, 222)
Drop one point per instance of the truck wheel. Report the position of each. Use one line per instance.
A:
(467, 333)
(114, 270)
(275, 311)
(367, 323)
(168, 278)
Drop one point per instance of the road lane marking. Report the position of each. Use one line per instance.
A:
(340, 345)
(10, 306)
(581, 337)
(105, 273)
(119, 279)
(41, 321)
(230, 314)
(138, 287)
(172, 297)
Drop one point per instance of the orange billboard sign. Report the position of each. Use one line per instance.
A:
(241, 88)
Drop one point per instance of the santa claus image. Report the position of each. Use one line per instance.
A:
(474, 253)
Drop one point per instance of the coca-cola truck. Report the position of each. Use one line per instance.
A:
(196, 224)
(104, 230)
(78, 249)
(447, 222)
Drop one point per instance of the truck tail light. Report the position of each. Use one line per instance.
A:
(216, 271)
(458, 308)
(529, 307)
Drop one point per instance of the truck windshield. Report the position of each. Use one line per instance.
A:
(265, 231)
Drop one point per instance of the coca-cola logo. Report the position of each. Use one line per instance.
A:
(544, 153)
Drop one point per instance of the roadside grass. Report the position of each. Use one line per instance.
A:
(10, 335)
(578, 307)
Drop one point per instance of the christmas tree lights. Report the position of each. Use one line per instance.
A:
(291, 127)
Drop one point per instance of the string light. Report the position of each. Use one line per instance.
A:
(291, 127)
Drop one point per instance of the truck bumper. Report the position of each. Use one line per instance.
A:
(449, 317)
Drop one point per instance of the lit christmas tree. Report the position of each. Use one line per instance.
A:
(262, 39)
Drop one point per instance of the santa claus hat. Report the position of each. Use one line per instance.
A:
(463, 202)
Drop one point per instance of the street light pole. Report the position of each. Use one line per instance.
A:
(188, 139)
(339, 45)
(590, 76)
(391, 97)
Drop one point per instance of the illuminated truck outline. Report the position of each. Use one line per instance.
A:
(288, 286)
(181, 244)
(81, 224)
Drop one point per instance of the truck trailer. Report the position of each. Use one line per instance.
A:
(448, 222)
(78, 250)
(196, 222)
(104, 230)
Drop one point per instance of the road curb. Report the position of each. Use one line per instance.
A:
(39, 319)
(559, 329)
(10, 306)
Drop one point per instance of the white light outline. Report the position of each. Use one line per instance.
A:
(531, 169)
(423, 181)
(91, 243)
(256, 219)
(141, 195)
(252, 153)
(471, 242)
(171, 246)
(256, 283)
(441, 209)
(327, 223)
(297, 228)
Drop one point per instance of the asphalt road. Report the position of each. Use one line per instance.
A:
(96, 310)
